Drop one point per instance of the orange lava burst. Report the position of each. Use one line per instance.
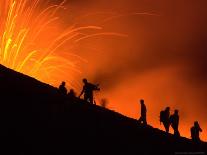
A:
(31, 40)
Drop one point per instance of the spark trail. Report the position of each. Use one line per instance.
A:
(30, 41)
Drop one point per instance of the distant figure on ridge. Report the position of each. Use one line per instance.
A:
(143, 116)
(88, 89)
(62, 88)
(165, 118)
(71, 94)
(195, 130)
(174, 121)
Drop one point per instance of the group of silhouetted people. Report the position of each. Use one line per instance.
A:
(63, 91)
(172, 120)
(88, 89)
(166, 118)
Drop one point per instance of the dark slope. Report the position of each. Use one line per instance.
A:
(36, 119)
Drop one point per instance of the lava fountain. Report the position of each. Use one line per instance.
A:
(31, 40)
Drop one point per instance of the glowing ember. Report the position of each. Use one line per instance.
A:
(30, 40)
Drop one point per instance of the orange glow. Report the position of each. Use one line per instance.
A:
(157, 96)
(154, 61)
(160, 61)
(32, 39)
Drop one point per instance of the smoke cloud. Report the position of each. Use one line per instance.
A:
(163, 59)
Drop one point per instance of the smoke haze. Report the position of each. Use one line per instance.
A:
(162, 59)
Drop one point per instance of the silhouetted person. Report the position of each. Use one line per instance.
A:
(88, 89)
(63, 89)
(195, 130)
(174, 121)
(165, 118)
(71, 94)
(143, 116)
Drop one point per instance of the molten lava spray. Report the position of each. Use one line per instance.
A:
(162, 61)
(32, 40)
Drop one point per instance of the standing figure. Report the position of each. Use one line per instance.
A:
(62, 88)
(143, 117)
(87, 90)
(71, 94)
(195, 130)
(165, 118)
(174, 121)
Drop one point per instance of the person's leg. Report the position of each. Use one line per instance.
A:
(91, 99)
(86, 97)
(145, 120)
(177, 131)
(140, 119)
(166, 126)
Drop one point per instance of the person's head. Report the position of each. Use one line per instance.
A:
(176, 112)
(72, 91)
(196, 123)
(141, 101)
(85, 81)
(63, 83)
(167, 108)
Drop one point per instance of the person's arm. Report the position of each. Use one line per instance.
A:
(81, 92)
(97, 87)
